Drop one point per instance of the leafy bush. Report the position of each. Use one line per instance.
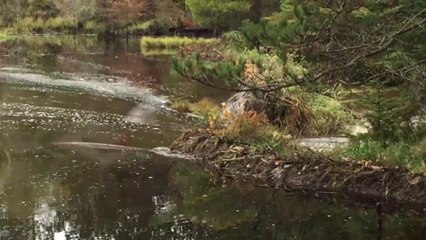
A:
(59, 24)
(25, 25)
(220, 14)
(31, 25)
(144, 26)
(94, 27)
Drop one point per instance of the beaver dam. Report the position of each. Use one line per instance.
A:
(303, 171)
(83, 155)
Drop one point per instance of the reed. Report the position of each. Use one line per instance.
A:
(173, 42)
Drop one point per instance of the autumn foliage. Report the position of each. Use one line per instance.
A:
(121, 13)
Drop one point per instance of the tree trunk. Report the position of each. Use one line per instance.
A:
(127, 38)
(256, 10)
(127, 32)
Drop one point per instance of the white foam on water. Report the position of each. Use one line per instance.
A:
(167, 152)
(13, 115)
(14, 69)
(99, 146)
(121, 90)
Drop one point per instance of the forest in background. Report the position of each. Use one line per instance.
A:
(116, 17)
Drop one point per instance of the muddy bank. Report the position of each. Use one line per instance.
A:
(304, 170)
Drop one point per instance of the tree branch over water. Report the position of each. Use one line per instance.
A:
(350, 46)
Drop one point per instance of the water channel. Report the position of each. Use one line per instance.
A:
(67, 103)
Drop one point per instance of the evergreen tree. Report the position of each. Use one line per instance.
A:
(13, 10)
(228, 14)
(42, 9)
(332, 43)
(77, 10)
(219, 14)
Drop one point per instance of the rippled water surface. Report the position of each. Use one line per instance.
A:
(84, 126)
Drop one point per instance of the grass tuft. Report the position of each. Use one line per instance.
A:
(159, 52)
(387, 154)
(172, 42)
(182, 106)
(205, 108)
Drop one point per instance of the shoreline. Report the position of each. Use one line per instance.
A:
(306, 171)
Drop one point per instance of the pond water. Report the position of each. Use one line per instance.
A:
(83, 129)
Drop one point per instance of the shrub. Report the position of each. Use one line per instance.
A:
(234, 37)
(330, 116)
(94, 27)
(38, 26)
(144, 26)
(25, 25)
(59, 24)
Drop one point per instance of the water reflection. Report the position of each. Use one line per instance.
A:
(64, 56)
(171, 199)
(141, 113)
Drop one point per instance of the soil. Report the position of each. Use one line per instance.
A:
(305, 170)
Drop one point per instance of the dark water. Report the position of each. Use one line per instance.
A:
(58, 92)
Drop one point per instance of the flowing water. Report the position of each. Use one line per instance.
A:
(84, 126)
